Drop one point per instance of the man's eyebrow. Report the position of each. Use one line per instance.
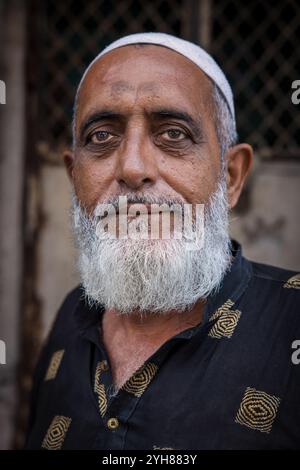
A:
(96, 117)
(195, 124)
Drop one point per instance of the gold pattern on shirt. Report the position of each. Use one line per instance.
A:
(223, 309)
(102, 400)
(227, 320)
(99, 388)
(257, 410)
(56, 433)
(293, 282)
(54, 364)
(101, 366)
(138, 383)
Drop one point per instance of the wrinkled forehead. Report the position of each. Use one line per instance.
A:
(152, 73)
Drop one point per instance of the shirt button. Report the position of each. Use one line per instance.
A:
(113, 423)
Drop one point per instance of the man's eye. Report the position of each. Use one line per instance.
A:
(100, 136)
(174, 134)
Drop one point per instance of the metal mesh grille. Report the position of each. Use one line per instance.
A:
(255, 44)
(73, 32)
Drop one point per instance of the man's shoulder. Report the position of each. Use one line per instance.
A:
(286, 280)
(271, 272)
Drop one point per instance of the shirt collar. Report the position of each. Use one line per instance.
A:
(234, 283)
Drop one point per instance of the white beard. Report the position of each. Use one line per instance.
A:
(152, 275)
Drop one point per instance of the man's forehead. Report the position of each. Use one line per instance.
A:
(159, 74)
(190, 51)
(158, 57)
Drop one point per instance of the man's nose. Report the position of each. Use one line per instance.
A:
(137, 165)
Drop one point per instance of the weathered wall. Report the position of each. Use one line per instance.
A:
(269, 229)
(57, 273)
(11, 187)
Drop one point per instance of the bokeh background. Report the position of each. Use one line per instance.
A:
(45, 46)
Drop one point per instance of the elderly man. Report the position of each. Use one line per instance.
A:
(166, 343)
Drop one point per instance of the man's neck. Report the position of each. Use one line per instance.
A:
(131, 339)
(152, 327)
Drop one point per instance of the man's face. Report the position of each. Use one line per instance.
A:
(144, 128)
(144, 123)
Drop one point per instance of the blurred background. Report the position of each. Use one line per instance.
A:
(45, 47)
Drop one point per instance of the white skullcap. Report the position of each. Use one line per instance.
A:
(193, 52)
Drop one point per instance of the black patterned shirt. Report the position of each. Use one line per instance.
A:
(230, 382)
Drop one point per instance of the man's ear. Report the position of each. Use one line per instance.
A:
(238, 163)
(68, 158)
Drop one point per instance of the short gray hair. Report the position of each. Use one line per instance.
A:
(225, 123)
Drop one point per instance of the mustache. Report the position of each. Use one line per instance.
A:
(91, 217)
(142, 198)
(164, 202)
